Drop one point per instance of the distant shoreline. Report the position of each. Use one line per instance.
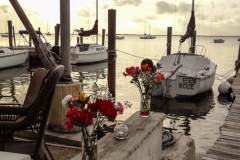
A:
(152, 35)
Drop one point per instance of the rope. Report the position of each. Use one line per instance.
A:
(167, 139)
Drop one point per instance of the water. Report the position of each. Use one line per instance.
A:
(198, 117)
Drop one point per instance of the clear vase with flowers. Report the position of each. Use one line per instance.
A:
(147, 79)
(84, 112)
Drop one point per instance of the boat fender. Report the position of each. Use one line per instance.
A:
(225, 88)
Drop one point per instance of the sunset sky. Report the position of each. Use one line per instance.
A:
(213, 17)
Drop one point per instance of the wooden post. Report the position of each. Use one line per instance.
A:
(237, 62)
(39, 29)
(30, 41)
(103, 36)
(14, 36)
(48, 60)
(57, 30)
(10, 34)
(81, 37)
(169, 40)
(111, 51)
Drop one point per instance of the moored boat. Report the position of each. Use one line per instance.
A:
(11, 58)
(186, 73)
(88, 53)
(119, 37)
(218, 40)
(5, 35)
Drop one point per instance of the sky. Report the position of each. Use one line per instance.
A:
(213, 17)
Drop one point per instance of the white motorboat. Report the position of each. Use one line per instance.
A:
(88, 53)
(186, 73)
(11, 58)
(5, 35)
(218, 40)
(147, 37)
(119, 37)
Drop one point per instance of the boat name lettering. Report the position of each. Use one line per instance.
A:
(188, 83)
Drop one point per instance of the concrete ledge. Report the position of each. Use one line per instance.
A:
(71, 139)
(182, 149)
(144, 140)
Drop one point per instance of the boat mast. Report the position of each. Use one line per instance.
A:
(149, 28)
(97, 19)
(145, 28)
(192, 38)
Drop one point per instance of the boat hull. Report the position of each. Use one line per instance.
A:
(218, 40)
(4, 35)
(16, 58)
(192, 75)
(119, 37)
(93, 54)
(147, 37)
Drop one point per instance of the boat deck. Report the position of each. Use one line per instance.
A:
(227, 146)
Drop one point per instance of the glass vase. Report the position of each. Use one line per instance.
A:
(145, 106)
(121, 131)
(89, 147)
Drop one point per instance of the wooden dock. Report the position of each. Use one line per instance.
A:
(227, 146)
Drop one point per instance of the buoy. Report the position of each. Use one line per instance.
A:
(224, 87)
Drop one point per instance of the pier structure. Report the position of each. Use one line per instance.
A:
(227, 145)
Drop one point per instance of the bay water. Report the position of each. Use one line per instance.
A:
(198, 117)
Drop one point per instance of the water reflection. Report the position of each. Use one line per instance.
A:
(90, 74)
(14, 81)
(180, 112)
(225, 100)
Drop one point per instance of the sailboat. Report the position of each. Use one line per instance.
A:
(186, 73)
(89, 52)
(48, 33)
(147, 36)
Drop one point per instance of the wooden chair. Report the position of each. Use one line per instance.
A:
(32, 115)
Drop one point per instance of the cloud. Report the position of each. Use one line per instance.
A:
(151, 17)
(138, 20)
(164, 7)
(237, 20)
(234, 6)
(127, 2)
(105, 6)
(219, 18)
(5, 9)
(84, 13)
(31, 12)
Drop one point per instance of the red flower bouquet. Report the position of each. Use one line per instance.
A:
(147, 80)
(83, 113)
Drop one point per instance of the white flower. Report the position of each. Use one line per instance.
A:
(65, 100)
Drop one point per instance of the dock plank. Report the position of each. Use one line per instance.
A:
(227, 146)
